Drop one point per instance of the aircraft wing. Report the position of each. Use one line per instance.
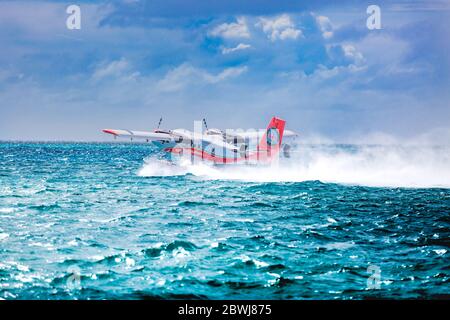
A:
(289, 133)
(146, 135)
(254, 134)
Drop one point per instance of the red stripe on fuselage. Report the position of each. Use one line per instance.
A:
(260, 155)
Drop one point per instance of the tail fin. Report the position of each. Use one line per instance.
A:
(271, 140)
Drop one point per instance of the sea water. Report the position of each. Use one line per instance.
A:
(107, 221)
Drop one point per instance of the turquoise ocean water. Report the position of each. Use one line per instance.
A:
(107, 221)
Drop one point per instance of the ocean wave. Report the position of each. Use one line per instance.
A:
(224, 232)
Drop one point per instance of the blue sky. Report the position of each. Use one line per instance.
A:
(236, 63)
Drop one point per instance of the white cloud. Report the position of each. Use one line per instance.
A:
(345, 53)
(225, 74)
(280, 27)
(325, 26)
(114, 69)
(185, 74)
(290, 33)
(351, 52)
(323, 73)
(232, 30)
(240, 46)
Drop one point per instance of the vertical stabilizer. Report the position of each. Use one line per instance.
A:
(271, 141)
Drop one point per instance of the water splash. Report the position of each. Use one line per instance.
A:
(154, 167)
(377, 166)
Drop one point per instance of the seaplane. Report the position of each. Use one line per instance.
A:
(218, 146)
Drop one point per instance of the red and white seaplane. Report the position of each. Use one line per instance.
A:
(219, 146)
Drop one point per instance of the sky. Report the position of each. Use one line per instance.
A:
(236, 63)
